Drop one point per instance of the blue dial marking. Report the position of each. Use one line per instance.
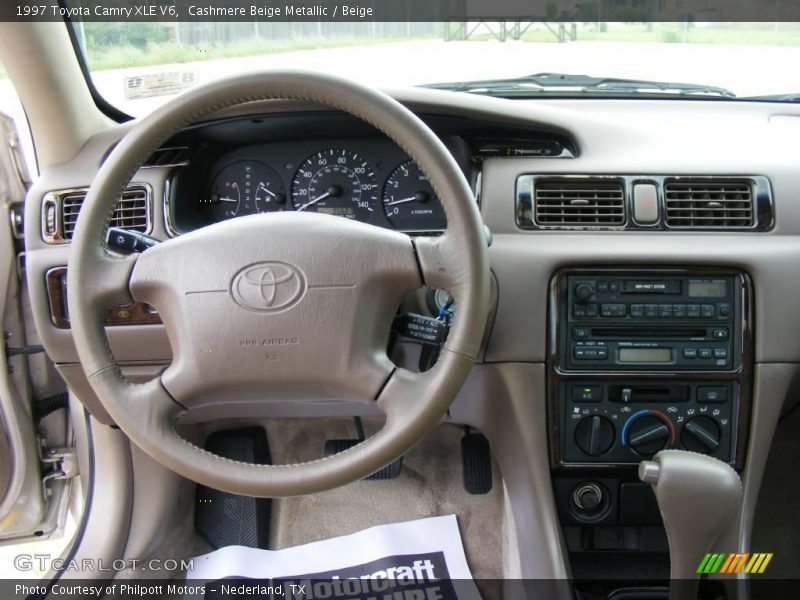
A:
(627, 423)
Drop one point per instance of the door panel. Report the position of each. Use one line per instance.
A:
(22, 507)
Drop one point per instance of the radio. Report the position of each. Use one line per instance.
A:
(654, 322)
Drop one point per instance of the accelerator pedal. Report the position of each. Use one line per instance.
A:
(476, 460)
(225, 519)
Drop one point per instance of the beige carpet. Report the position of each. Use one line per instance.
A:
(431, 483)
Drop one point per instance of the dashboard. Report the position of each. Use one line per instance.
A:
(581, 196)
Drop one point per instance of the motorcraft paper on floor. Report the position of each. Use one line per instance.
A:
(415, 560)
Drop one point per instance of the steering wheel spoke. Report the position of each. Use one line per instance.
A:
(409, 399)
(110, 284)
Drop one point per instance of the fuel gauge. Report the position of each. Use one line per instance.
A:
(245, 187)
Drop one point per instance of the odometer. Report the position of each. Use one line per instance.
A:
(337, 182)
(409, 201)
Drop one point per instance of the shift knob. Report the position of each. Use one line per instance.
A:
(698, 497)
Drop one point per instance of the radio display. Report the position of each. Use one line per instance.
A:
(641, 355)
(707, 289)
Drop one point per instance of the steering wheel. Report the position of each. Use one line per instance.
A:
(279, 307)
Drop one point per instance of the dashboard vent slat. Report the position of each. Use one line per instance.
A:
(567, 202)
(709, 204)
(168, 157)
(132, 212)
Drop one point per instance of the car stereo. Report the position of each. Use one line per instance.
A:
(649, 322)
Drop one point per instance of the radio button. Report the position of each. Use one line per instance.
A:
(579, 310)
(602, 287)
(704, 353)
(724, 309)
(584, 353)
(587, 393)
(664, 311)
(591, 310)
(580, 333)
(613, 310)
(583, 291)
(719, 334)
(613, 286)
(709, 393)
(707, 311)
(679, 311)
(651, 310)
(690, 353)
(720, 353)
(637, 311)
(693, 311)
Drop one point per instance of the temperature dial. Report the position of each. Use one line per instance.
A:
(647, 432)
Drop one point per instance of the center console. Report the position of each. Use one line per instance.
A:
(640, 360)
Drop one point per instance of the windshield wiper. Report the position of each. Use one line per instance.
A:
(793, 97)
(567, 84)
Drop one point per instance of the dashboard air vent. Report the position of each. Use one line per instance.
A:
(709, 204)
(578, 202)
(168, 157)
(60, 212)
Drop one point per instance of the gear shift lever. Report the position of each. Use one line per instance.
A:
(698, 496)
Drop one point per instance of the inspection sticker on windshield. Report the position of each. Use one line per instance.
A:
(158, 84)
(415, 560)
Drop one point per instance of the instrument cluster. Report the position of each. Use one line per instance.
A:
(371, 181)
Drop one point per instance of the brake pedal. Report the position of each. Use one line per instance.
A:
(225, 519)
(476, 459)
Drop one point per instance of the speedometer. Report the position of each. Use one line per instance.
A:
(336, 182)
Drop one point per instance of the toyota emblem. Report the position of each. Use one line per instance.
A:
(268, 286)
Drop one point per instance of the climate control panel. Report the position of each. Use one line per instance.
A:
(624, 422)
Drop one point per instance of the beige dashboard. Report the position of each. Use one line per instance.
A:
(612, 137)
(506, 394)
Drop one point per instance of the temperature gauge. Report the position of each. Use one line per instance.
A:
(243, 188)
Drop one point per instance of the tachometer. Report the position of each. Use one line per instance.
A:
(409, 201)
(337, 182)
(245, 187)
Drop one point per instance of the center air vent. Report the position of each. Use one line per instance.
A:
(60, 212)
(709, 204)
(578, 202)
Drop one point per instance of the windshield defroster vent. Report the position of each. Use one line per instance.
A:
(60, 212)
(578, 202)
(709, 204)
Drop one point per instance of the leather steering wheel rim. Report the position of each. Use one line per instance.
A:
(379, 267)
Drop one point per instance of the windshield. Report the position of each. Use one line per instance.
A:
(137, 66)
